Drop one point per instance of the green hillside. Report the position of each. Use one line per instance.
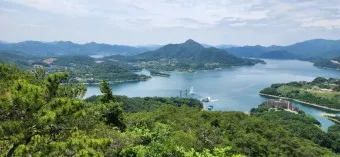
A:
(188, 56)
(193, 52)
(45, 115)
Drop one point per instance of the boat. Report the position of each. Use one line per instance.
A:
(207, 99)
(191, 90)
(210, 107)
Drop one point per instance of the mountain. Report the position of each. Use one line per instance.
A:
(280, 54)
(317, 48)
(333, 63)
(193, 52)
(16, 57)
(59, 48)
(314, 48)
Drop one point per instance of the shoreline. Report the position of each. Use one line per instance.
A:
(331, 117)
(302, 102)
(123, 81)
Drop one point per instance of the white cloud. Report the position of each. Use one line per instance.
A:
(158, 17)
(326, 23)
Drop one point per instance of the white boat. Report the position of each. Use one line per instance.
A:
(210, 107)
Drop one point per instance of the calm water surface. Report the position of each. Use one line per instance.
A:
(234, 89)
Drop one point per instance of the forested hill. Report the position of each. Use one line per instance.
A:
(16, 57)
(45, 115)
(316, 48)
(59, 48)
(193, 52)
(333, 63)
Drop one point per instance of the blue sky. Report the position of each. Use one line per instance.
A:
(140, 22)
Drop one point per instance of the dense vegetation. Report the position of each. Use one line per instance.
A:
(150, 103)
(115, 71)
(82, 69)
(42, 115)
(89, 70)
(158, 73)
(17, 58)
(321, 91)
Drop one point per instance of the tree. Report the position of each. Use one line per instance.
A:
(112, 111)
(107, 92)
(52, 83)
(319, 80)
(39, 74)
(29, 110)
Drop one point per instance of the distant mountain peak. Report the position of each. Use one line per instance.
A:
(190, 41)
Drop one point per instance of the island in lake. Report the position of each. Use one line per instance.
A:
(158, 73)
(333, 63)
(188, 56)
(321, 92)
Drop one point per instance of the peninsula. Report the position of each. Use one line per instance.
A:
(321, 92)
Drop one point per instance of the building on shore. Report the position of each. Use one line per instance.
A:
(280, 104)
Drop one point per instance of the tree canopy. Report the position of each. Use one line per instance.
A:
(45, 115)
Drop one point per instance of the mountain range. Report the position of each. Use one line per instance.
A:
(60, 48)
(316, 48)
(310, 49)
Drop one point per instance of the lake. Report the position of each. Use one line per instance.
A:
(235, 89)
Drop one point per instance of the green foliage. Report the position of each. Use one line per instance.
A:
(138, 104)
(42, 116)
(86, 69)
(304, 91)
(115, 71)
(266, 134)
(52, 83)
(107, 92)
(319, 80)
(16, 57)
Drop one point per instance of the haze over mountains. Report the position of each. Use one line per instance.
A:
(303, 50)
(59, 48)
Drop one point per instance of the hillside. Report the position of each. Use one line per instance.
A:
(58, 48)
(281, 54)
(194, 54)
(44, 115)
(320, 92)
(86, 69)
(317, 48)
(16, 57)
(333, 63)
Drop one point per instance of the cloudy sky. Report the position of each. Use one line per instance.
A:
(140, 22)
